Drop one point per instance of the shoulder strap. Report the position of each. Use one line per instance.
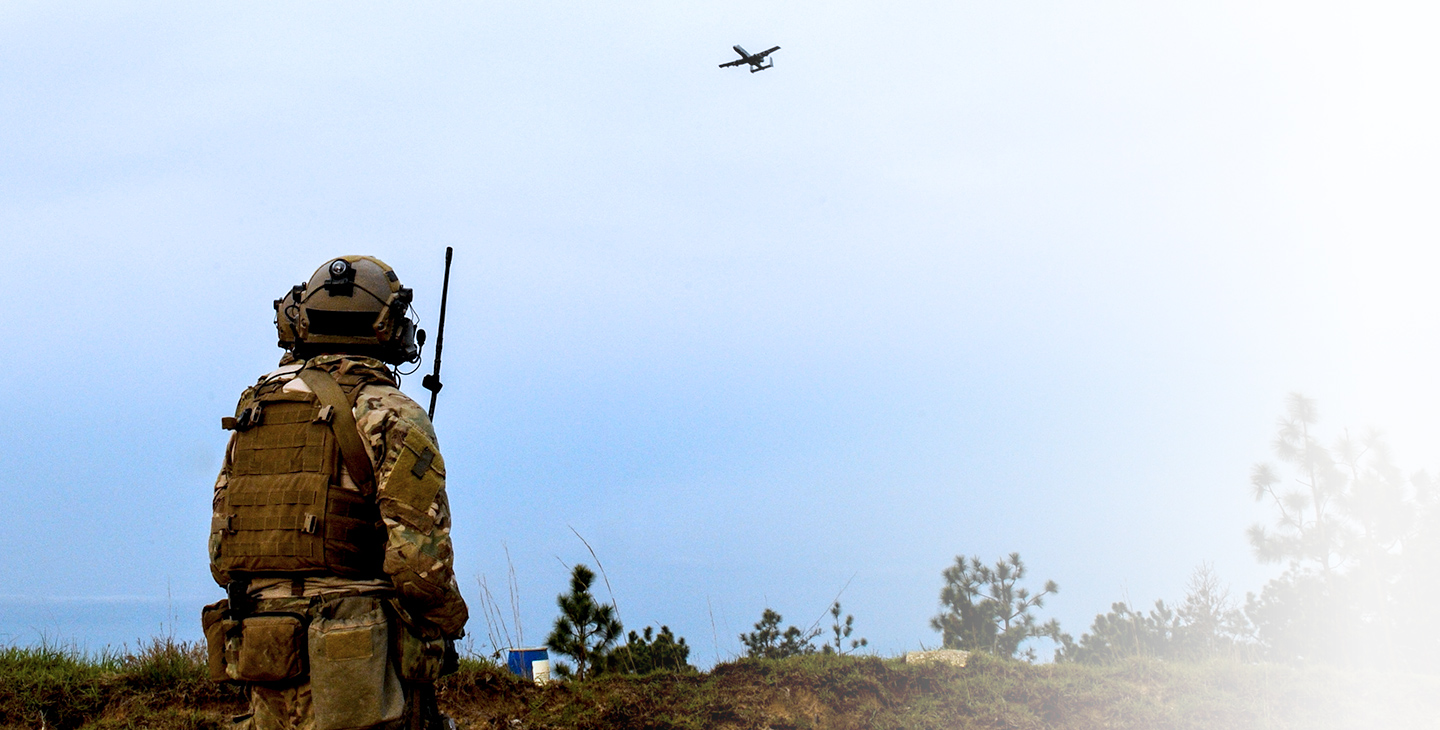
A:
(357, 457)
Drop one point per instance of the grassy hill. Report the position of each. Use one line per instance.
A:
(163, 687)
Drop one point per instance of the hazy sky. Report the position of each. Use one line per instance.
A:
(950, 278)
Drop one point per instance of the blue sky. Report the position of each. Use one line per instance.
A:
(951, 278)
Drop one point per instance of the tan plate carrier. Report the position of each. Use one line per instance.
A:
(284, 510)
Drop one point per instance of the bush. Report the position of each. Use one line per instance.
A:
(649, 653)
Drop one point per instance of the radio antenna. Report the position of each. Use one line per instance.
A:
(431, 382)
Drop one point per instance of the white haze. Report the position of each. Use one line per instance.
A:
(950, 278)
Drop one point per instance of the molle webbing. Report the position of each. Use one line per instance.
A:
(285, 511)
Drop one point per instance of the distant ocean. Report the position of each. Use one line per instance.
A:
(95, 624)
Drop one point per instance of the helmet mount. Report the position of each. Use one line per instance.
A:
(342, 279)
(328, 314)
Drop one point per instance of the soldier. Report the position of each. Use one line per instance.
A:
(331, 528)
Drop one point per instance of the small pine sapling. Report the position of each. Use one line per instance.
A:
(842, 632)
(767, 641)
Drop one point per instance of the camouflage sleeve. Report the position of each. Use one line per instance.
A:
(410, 488)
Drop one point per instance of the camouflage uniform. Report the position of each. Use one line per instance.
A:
(419, 583)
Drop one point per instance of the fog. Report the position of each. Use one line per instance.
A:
(948, 279)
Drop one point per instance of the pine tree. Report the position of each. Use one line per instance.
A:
(1347, 527)
(1206, 625)
(985, 610)
(767, 641)
(842, 632)
(585, 629)
(651, 652)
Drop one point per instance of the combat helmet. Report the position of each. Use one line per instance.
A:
(352, 304)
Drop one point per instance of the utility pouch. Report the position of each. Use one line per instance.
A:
(212, 620)
(272, 648)
(421, 659)
(353, 683)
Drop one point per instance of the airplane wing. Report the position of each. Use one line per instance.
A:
(750, 58)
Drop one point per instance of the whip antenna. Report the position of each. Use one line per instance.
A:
(432, 382)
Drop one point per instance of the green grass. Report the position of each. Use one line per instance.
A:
(49, 685)
(163, 686)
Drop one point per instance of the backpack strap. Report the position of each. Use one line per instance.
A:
(357, 457)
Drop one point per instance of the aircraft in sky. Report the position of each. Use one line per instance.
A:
(756, 60)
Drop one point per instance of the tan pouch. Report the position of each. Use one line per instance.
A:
(212, 621)
(353, 683)
(272, 648)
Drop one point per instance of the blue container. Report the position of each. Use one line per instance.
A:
(532, 664)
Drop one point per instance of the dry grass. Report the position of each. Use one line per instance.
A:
(163, 686)
(841, 693)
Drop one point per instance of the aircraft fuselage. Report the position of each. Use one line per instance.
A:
(756, 60)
